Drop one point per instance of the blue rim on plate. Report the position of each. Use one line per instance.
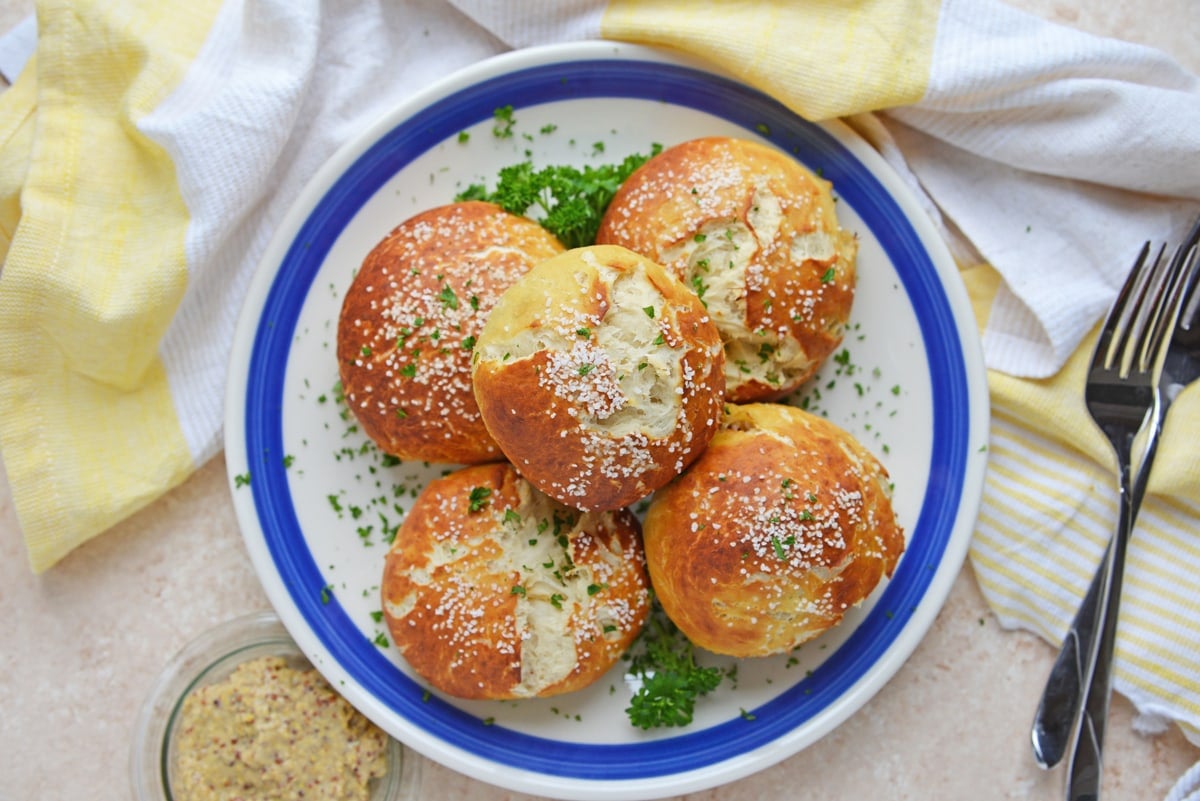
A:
(950, 483)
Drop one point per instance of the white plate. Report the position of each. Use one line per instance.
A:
(912, 389)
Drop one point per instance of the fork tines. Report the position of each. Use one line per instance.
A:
(1146, 308)
(1127, 319)
(1187, 256)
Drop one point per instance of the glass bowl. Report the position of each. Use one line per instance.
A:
(209, 659)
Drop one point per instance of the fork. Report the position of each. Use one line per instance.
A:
(1178, 366)
(1123, 398)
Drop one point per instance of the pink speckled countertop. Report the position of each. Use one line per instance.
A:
(80, 644)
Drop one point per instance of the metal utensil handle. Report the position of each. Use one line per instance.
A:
(1063, 693)
(1062, 698)
(1085, 769)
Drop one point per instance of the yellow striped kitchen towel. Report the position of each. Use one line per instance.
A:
(146, 152)
(94, 269)
(1050, 506)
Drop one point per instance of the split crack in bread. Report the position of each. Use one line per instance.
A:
(782, 525)
(409, 320)
(755, 234)
(492, 590)
(600, 375)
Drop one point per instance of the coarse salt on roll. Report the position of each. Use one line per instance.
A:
(781, 526)
(600, 375)
(409, 320)
(755, 234)
(492, 590)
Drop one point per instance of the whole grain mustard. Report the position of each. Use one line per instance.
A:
(271, 732)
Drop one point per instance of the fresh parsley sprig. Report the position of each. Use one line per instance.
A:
(671, 679)
(568, 201)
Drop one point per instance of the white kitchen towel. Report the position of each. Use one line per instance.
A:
(1188, 786)
(1039, 142)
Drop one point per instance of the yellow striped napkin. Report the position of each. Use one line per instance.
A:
(148, 150)
(93, 227)
(1050, 505)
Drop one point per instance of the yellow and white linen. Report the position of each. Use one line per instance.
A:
(95, 269)
(148, 149)
(145, 154)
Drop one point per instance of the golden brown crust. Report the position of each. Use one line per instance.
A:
(410, 318)
(600, 376)
(783, 524)
(756, 234)
(492, 590)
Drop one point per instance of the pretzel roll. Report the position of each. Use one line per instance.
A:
(783, 524)
(492, 590)
(600, 375)
(409, 321)
(755, 234)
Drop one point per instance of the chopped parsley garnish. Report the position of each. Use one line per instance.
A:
(478, 498)
(780, 553)
(503, 128)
